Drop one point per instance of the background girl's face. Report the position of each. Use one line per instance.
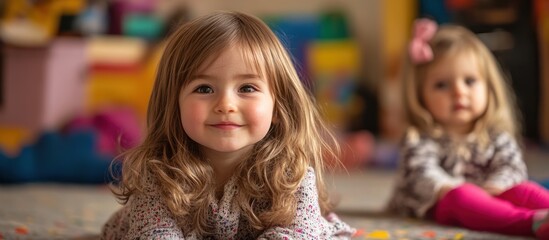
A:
(455, 92)
(228, 106)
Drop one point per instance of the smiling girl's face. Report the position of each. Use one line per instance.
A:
(227, 106)
(455, 92)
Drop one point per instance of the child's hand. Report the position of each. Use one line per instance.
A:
(492, 190)
(443, 190)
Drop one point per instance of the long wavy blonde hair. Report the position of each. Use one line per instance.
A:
(449, 41)
(297, 140)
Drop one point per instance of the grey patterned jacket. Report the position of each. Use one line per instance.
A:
(427, 164)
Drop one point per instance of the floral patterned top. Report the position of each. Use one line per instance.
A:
(145, 217)
(429, 163)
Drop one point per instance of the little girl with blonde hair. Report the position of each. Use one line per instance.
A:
(460, 162)
(234, 147)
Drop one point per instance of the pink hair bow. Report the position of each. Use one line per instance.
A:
(420, 51)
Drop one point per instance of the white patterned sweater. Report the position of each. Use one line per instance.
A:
(146, 217)
(427, 164)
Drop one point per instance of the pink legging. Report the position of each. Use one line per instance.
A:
(510, 212)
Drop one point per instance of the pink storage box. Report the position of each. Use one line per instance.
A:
(43, 87)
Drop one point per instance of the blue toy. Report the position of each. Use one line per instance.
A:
(544, 183)
(56, 157)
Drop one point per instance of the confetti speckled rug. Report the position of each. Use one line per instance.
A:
(61, 211)
(380, 226)
(362, 196)
(51, 211)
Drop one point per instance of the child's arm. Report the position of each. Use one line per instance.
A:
(423, 178)
(506, 167)
(309, 222)
(443, 190)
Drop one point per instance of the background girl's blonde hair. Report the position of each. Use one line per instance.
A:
(450, 41)
(271, 175)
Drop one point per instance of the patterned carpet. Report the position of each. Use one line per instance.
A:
(389, 227)
(49, 211)
(55, 211)
(361, 197)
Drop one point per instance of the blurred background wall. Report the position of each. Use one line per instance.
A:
(76, 74)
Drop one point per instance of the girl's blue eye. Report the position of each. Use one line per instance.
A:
(470, 81)
(248, 89)
(203, 89)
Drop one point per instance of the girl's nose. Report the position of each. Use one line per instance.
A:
(225, 104)
(459, 88)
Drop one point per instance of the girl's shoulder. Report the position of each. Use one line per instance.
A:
(501, 138)
(308, 183)
(310, 177)
(147, 186)
(415, 137)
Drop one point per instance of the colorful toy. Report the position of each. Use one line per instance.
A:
(12, 138)
(56, 157)
(335, 81)
(357, 149)
(116, 128)
(34, 23)
(545, 183)
(120, 74)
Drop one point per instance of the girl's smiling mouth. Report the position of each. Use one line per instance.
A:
(226, 125)
(458, 107)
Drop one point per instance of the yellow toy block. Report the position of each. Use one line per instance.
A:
(121, 73)
(125, 89)
(334, 67)
(13, 138)
(333, 56)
